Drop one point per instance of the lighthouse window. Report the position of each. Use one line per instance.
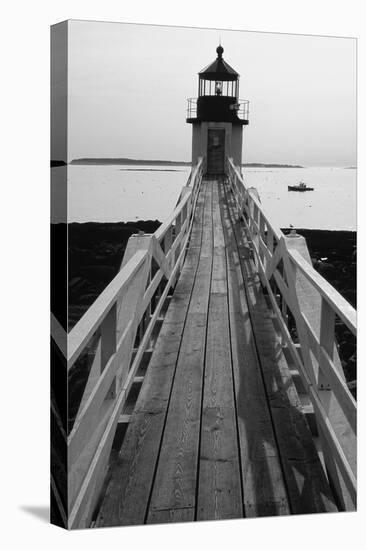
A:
(218, 88)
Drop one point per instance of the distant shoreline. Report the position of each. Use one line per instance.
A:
(264, 165)
(141, 162)
(150, 170)
(124, 161)
(128, 161)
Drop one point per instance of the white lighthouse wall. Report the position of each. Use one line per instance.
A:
(237, 144)
(197, 150)
(233, 140)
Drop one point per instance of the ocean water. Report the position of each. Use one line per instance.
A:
(332, 204)
(111, 193)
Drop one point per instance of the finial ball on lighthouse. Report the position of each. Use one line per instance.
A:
(219, 50)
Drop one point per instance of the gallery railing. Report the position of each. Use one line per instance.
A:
(110, 341)
(295, 289)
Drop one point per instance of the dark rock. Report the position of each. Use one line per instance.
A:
(95, 254)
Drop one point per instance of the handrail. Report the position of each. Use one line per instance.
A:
(95, 315)
(292, 284)
(121, 321)
(254, 197)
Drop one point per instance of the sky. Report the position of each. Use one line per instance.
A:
(128, 86)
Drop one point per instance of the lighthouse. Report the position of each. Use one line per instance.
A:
(217, 116)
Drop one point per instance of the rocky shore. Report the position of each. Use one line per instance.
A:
(95, 255)
(96, 251)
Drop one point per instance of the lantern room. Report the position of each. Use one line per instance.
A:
(218, 94)
(218, 78)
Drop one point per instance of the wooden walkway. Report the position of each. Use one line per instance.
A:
(218, 429)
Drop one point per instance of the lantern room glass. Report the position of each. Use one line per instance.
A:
(227, 88)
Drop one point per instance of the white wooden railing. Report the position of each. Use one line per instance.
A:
(285, 271)
(116, 332)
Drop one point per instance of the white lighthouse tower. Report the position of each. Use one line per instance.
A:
(217, 116)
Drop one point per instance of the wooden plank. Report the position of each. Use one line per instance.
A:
(175, 482)
(263, 485)
(219, 490)
(306, 483)
(128, 492)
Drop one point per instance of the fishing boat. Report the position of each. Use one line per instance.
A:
(301, 187)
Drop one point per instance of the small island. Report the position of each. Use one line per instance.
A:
(263, 165)
(122, 161)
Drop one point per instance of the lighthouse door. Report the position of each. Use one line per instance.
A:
(216, 151)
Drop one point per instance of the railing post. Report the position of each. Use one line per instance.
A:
(326, 340)
(129, 304)
(108, 331)
(284, 311)
(178, 226)
(185, 214)
(168, 239)
(262, 235)
(167, 242)
(292, 276)
(270, 240)
(108, 336)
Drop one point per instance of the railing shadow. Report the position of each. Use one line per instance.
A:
(303, 478)
(261, 497)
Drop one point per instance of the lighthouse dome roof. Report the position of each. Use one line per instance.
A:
(219, 69)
